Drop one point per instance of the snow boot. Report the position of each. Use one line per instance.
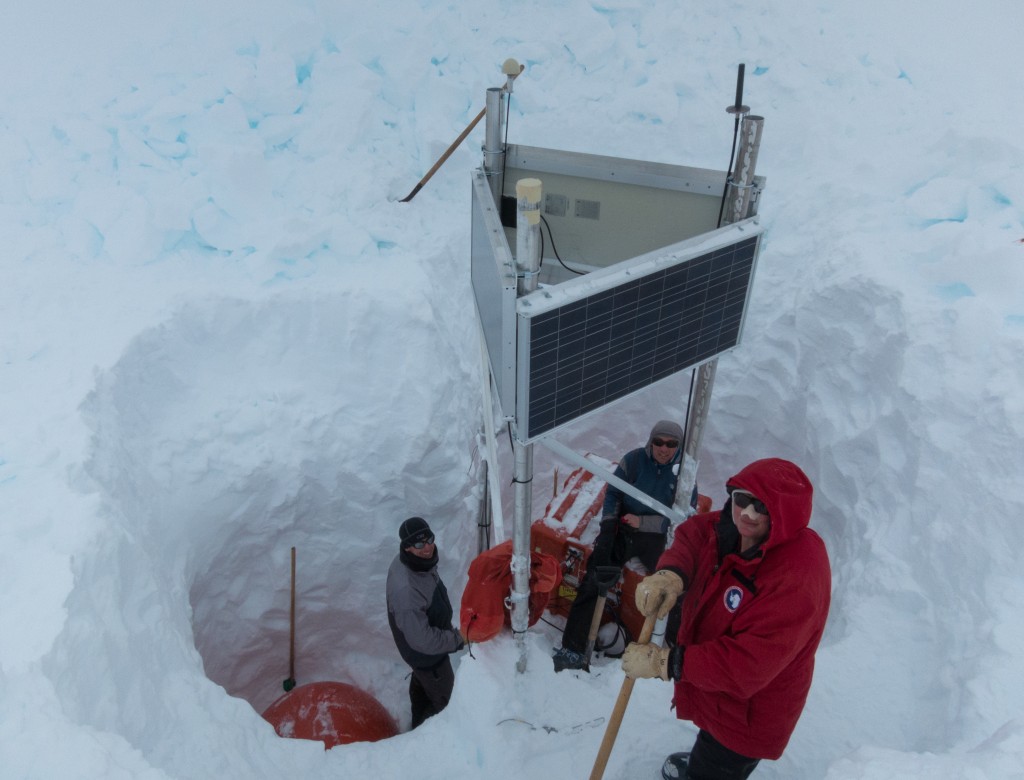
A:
(675, 765)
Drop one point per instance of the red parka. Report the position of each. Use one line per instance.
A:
(751, 622)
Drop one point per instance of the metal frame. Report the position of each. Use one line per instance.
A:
(493, 276)
(493, 271)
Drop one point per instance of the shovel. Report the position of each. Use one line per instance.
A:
(445, 156)
(289, 683)
(612, 730)
(605, 577)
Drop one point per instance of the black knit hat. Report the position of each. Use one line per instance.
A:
(413, 530)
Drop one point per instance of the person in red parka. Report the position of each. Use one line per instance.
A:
(756, 587)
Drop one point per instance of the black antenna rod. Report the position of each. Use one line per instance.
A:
(739, 89)
(739, 110)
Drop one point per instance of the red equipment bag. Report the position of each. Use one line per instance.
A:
(483, 613)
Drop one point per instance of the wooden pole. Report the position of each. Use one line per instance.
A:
(605, 577)
(290, 682)
(612, 730)
(595, 626)
(444, 157)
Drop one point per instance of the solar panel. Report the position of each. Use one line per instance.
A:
(588, 352)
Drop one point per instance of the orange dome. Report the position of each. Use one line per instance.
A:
(332, 712)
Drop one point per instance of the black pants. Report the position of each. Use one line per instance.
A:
(614, 546)
(430, 690)
(711, 760)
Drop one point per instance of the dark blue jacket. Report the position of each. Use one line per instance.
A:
(638, 468)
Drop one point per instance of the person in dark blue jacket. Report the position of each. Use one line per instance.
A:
(420, 616)
(628, 529)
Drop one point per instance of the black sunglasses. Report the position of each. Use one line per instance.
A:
(421, 542)
(743, 499)
(673, 443)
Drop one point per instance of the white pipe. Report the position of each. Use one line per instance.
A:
(528, 193)
(520, 596)
(528, 259)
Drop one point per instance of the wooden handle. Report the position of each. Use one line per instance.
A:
(445, 156)
(595, 626)
(612, 730)
(291, 645)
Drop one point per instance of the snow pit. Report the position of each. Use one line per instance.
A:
(222, 438)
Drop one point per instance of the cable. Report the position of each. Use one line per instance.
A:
(504, 144)
(504, 163)
(738, 109)
(621, 630)
(554, 249)
(728, 175)
(689, 402)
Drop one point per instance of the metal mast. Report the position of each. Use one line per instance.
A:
(737, 202)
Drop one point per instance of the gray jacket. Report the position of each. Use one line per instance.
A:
(420, 615)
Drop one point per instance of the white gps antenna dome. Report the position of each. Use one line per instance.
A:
(511, 68)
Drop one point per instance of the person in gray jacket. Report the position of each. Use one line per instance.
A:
(420, 616)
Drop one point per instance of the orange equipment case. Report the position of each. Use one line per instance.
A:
(565, 533)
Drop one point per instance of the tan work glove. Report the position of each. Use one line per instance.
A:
(658, 593)
(646, 661)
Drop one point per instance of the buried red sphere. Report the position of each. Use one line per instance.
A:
(332, 712)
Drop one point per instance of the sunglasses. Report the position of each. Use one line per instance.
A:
(673, 443)
(421, 542)
(743, 499)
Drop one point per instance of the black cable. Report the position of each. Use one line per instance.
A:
(504, 145)
(728, 175)
(512, 446)
(554, 249)
(504, 163)
(689, 402)
(553, 625)
(621, 630)
(735, 135)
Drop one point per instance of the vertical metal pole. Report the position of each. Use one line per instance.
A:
(495, 515)
(737, 207)
(528, 195)
(494, 151)
(695, 425)
(494, 147)
(523, 478)
(483, 522)
(742, 185)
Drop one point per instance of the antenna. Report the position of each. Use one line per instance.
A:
(511, 68)
(739, 109)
